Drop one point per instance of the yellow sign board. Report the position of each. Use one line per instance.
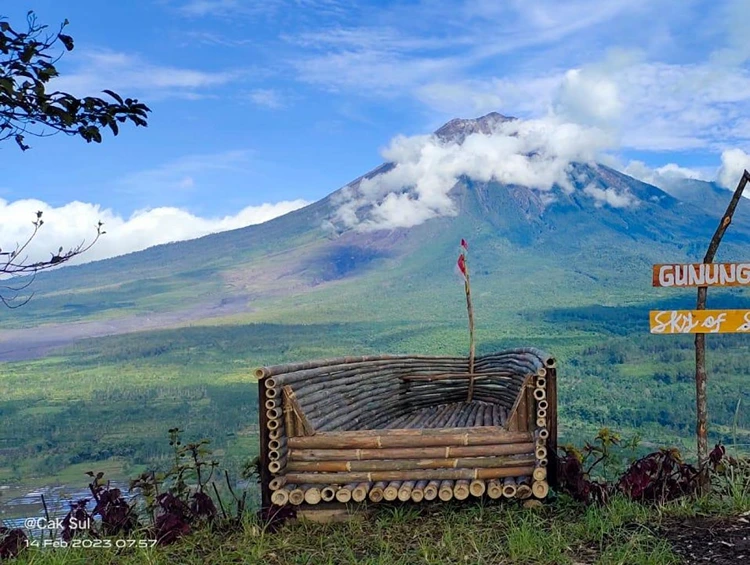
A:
(701, 274)
(699, 321)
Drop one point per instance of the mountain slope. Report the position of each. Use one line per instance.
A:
(527, 248)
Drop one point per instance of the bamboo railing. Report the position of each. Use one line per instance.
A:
(407, 427)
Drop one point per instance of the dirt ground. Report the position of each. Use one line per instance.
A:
(710, 540)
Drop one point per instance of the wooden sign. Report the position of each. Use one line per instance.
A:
(699, 321)
(702, 274)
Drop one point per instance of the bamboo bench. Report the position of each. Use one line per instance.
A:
(417, 428)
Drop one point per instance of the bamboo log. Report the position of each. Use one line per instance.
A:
(541, 452)
(509, 487)
(276, 466)
(277, 482)
(312, 495)
(543, 404)
(477, 487)
(494, 489)
(376, 439)
(540, 436)
(391, 491)
(541, 372)
(275, 434)
(274, 413)
(431, 490)
(359, 493)
(277, 444)
(445, 491)
(541, 383)
(304, 425)
(540, 489)
(344, 494)
(461, 489)
(271, 403)
(328, 493)
(272, 393)
(374, 465)
(280, 497)
(417, 493)
(541, 422)
(541, 413)
(297, 495)
(412, 452)
(404, 492)
(523, 490)
(539, 394)
(540, 473)
(410, 474)
(376, 492)
(273, 425)
(543, 462)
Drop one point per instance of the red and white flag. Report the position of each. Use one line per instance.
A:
(462, 265)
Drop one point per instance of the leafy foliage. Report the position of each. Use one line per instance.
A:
(27, 67)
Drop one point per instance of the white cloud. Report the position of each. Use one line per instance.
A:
(610, 196)
(589, 98)
(734, 162)
(667, 177)
(75, 222)
(532, 153)
(267, 98)
(127, 74)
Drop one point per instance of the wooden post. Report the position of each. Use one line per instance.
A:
(700, 339)
(464, 267)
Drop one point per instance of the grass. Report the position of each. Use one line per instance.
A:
(563, 532)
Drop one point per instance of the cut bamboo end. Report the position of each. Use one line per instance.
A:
(541, 422)
(543, 462)
(543, 405)
(477, 488)
(274, 413)
(523, 489)
(431, 490)
(541, 413)
(276, 483)
(275, 466)
(297, 496)
(359, 494)
(328, 494)
(541, 452)
(461, 489)
(404, 492)
(445, 492)
(271, 393)
(260, 373)
(391, 491)
(376, 492)
(540, 473)
(541, 383)
(271, 383)
(541, 372)
(312, 495)
(509, 487)
(543, 433)
(273, 424)
(344, 494)
(539, 394)
(494, 489)
(280, 497)
(271, 403)
(274, 434)
(540, 489)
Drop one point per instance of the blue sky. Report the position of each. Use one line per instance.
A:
(279, 100)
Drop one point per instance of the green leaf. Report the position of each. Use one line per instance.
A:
(113, 95)
(67, 41)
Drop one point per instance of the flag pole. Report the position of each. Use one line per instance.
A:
(463, 265)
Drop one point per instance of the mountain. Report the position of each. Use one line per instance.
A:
(530, 250)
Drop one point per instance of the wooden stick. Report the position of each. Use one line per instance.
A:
(410, 474)
(701, 376)
(305, 426)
